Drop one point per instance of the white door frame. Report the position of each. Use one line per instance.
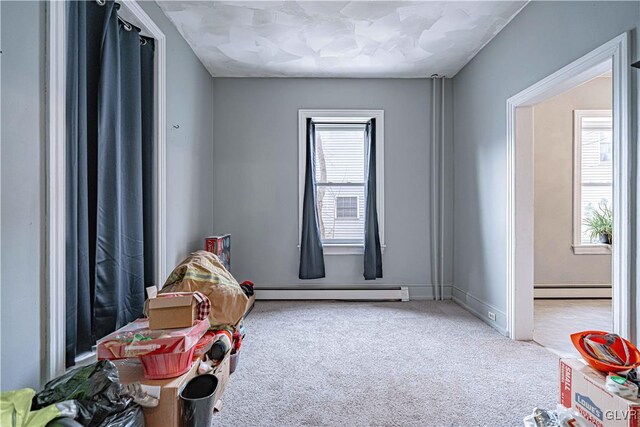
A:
(615, 54)
(54, 302)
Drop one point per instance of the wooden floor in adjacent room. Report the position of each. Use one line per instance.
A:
(556, 319)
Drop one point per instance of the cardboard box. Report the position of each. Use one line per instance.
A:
(221, 246)
(583, 389)
(173, 312)
(168, 413)
(169, 409)
(223, 373)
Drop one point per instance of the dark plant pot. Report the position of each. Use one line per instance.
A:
(605, 239)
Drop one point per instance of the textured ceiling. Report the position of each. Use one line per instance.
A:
(337, 38)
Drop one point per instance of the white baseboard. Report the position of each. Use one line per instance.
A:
(428, 292)
(398, 294)
(481, 309)
(572, 285)
(562, 291)
(415, 292)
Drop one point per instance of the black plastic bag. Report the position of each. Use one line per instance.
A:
(130, 417)
(97, 390)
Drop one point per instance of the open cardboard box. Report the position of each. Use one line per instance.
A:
(168, 413)
(178, 311)
(583, 389)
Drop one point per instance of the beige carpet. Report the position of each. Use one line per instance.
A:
(383, 364)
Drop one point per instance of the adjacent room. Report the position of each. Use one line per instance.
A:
(573, 205)
(319, 213)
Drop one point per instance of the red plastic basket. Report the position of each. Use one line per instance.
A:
(634, 354)
(204, 344)
(166, 365)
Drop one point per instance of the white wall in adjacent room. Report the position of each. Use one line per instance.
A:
(555, 261)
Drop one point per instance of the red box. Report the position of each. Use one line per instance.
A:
(136, 339)
(221, 246)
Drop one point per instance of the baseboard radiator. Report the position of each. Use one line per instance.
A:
(572, 292)
(397, 294)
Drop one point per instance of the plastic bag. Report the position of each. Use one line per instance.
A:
(136, 339)
(95, 388)
(568, 417)
(560, 417)
(130, 417)
(15, 409)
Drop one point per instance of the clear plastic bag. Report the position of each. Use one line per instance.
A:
(560, 417)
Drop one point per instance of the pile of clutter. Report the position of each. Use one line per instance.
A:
(192, 335)
(604, 392)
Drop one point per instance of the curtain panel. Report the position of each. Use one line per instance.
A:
(109, 171)
(372, 248)
(311, 252)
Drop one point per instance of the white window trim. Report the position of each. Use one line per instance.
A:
(54, 327)
(335, 115)
(335, 213)
(580, 248)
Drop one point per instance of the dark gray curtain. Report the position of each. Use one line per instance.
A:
(372, 250)
(109, 155)
(82, 73)
(311, 253)
(147, 50)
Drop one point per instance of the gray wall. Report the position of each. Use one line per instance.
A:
(189, 175)
(255, 179)
(189, 147)
(554, 260)
(22, 212)
(543, 38)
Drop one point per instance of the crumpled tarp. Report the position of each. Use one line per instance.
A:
(202, 271)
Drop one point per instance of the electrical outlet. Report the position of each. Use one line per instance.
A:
(492, 316)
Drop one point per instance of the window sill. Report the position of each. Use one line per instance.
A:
(595, 249)
(344, 249)
(86, 358)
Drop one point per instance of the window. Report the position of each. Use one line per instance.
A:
(347, 207)
(340, 175)
(593, 174)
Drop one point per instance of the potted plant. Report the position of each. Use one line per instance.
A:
(599, 223)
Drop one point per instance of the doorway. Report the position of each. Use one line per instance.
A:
(611, 57)
(573, 177)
